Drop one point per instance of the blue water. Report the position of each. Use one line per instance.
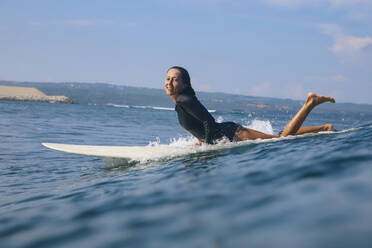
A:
(312, 191)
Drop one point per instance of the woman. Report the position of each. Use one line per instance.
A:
(196, 119)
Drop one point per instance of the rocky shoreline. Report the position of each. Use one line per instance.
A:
(35, 98)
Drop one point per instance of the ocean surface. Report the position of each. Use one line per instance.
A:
(307, 191)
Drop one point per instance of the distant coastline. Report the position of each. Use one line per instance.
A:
(14, 93)
(106, 94)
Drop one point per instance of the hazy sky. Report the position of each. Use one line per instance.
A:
(275, 48)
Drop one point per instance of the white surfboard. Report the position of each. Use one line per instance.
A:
(138, 153)
(158, 152)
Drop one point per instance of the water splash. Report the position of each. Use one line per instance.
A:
(262, 126)
(219, 119)
(183, 141)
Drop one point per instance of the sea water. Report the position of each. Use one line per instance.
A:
(309, 191)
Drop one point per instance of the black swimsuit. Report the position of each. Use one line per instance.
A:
(196, 119)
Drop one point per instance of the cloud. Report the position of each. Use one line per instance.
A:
(290, 3)
(335, 78)
(351, 10)
(81, 22)
(345, 44)
(338, 78)
(350, 44)
(361, 16)
(334, 3)
(72, 22)
(350, 2)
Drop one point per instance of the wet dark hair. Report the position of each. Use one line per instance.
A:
(185, 76)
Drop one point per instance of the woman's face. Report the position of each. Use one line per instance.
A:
(173, 82)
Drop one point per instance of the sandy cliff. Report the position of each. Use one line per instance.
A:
(29, 94)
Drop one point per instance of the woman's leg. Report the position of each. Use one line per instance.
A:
(314, 129)
(294, 126)
(312, 101)
(250, 134)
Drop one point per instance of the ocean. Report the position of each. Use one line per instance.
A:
(307, 191)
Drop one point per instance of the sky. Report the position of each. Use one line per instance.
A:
(271, 48)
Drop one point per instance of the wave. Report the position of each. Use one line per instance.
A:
(148, 107)
(117, 105)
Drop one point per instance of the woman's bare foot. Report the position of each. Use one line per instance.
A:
(315, 99)
(328, 127)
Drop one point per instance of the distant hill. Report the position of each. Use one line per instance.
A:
(103, 93)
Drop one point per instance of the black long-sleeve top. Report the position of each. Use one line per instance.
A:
(194, 117)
